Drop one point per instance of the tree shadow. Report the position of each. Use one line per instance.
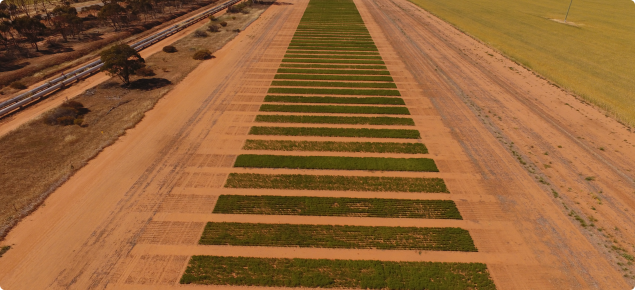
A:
(149, 84)
(11, 67)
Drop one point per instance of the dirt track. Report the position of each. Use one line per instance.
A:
(133, 215)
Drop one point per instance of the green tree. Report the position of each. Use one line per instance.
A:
(121, 60)
(114, 13)
(29, 27)
(64, 18)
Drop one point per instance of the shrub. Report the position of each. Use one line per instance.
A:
(234, 9)
(18, 85)
(213, 28)
(145, 71)
(169, 49)
(212, 18)
(66, 120)
(223, 24)
(200, 33)
(73, 104)
(68, 113)
(202, 54)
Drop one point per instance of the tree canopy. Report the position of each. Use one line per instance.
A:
(122, 61)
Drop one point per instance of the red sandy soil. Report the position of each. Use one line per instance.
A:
(131, 218)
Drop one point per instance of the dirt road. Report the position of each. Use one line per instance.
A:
(132, 217)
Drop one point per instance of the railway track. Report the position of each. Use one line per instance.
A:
(65, 79)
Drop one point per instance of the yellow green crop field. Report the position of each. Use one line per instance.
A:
(595, 59)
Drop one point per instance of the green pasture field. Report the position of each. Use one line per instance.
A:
(323, 273)
(353, 92)
(336, 132)
(335, 120)
(335, 100)
(593, 58)
(362, 71)
(333, 77)
(311, 60)
(336, 163)
(334, 109)
(329, 236)
(371, 147)
(334, 182)
(336, 206)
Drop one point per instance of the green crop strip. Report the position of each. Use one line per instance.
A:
(332, 84)
(323, 273)
(332, 56)
(336, 132)
(364, 43)
(334, 109)
(335, 100)
(310, 60)
(371, 147)
(333, 77)
(336, 206)
(333, 182)
(334, 48)
(333, 71)
(329, 236)
(335, 120)
(334, 66)
(336, 163)
(333, 53)
(358, 92)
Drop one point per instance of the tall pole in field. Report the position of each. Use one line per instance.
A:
(565, 17)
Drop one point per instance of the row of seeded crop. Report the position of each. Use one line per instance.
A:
(333, 74)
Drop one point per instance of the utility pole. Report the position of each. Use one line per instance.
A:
(565, 17)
